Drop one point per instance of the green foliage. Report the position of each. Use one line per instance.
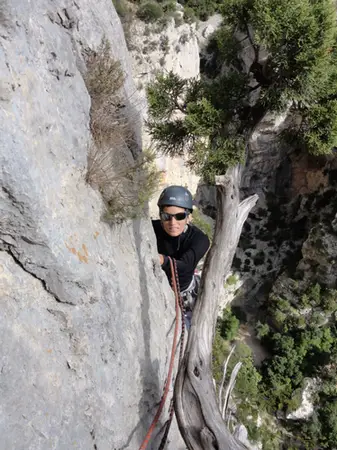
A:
(262, 330)
(300, 70)
(220, 351)
(224, 47)
(122, 8)
(150, 11)
(164, 96)
(203, 9)
(295, 401)
(329, 300)
(248, 380)
(328, 419)
(169, 7)
(302, 348)
(269, 438)
(202, 129)
(189, 15)
(247, 390)
(229, 325)
(318, 130)
(231, 280)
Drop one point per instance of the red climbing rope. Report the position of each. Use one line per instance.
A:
(181, 352)
(175, 284)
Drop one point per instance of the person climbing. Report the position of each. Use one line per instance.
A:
(181, 240)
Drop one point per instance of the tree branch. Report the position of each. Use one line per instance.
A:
(196, 407)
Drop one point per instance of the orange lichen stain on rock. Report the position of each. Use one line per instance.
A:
(49, 350)
(79, 253)
(84, 247)
(71, 249)
(96, 234)
(82, 258)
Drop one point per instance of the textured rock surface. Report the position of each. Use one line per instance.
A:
(152, 51)
(306, 408)
(85, 309)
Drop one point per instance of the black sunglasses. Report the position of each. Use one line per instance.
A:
(179, 216)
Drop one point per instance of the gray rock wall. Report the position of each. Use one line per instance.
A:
(85, 309)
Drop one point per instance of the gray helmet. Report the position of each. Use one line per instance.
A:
(176, 196)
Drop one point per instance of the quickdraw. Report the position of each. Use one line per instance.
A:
(178, 306)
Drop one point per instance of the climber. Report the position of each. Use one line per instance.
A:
(181, 240)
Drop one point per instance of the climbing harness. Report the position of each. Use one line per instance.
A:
(178, 306)
(190, 294)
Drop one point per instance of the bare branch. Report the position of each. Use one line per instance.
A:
(230, 387)
(224, 376)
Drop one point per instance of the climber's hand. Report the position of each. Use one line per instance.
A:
(161, 259)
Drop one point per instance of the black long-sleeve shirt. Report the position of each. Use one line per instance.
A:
(187, 249)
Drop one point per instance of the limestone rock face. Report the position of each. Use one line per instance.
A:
(306, 407)
(85, 308)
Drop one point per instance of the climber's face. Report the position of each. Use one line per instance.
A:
(173, 220)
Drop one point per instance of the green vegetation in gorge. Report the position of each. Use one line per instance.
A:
(300, 347)
(297, 351)
(247, 391)
(301, 336)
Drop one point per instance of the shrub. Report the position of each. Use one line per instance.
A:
(262, 330)
(189, 15)
(104, 76)
(169, 7)
(150, 12)
(125, 183)
(161, 24)
(121, 7)
(220, 351)
(131, 188)
(203, 8)
(228, 325)
(232, 279)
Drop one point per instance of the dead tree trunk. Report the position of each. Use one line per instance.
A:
(197, 411)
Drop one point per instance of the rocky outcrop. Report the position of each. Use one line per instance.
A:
(306, 408)
(319, 263)
(85, 309)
